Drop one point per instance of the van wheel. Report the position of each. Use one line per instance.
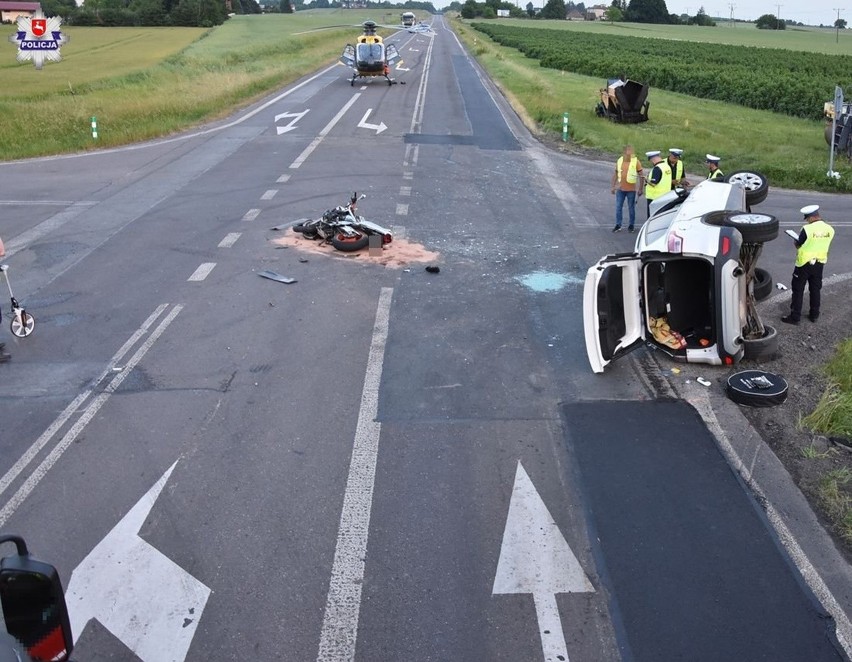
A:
(756, 388)
(755, 228)
(762, 284)
(755, 184)
(764, 348)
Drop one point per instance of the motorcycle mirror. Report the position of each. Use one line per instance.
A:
(34, 605)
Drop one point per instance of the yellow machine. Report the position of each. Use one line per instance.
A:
(370, 56)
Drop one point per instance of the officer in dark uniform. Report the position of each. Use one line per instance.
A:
(812, 246)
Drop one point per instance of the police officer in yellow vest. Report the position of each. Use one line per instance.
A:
(626, 182)
(812, 247)
(714, 174)
(675, 163)
(659, 179)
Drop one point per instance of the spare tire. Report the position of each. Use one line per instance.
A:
(755, 228)
(762, 284)
(764, 348)
(755, 184)
(756, 388)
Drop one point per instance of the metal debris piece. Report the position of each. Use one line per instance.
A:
(702, 381)
(271, 275)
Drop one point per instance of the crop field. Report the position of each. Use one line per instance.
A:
(142, 83)
(790, 151)
(783, 81)
(811, 39)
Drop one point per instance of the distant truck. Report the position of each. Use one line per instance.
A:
(408, 19)
(842, 129)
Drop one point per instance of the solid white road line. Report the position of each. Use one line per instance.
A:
(328, 127)
(230, 239)
(94, 407)
(46, 227)
(251, 214)
(340, 623)
(72, 408)
(202, 272)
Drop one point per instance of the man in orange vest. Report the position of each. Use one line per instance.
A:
(626, 182)
(812, 246)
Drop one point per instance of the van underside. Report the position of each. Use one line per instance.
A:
(680, 291)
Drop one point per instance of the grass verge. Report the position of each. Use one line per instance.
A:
(791, 152)
(833, 418)
(173, 81)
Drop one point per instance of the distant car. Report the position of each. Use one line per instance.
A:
(688, 286)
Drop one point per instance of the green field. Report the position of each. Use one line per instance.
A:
(146, 82)
(817, 40)
(790, 151)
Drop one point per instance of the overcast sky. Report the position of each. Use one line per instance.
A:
(813, 12)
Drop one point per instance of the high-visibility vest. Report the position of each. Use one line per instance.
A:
(631, 169)
(819, 235)
(677, 173)
(716, 174)
(653, 192)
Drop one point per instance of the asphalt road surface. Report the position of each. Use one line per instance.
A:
(370, 463)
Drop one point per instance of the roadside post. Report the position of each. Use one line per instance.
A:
(94, 127)
(565, 127)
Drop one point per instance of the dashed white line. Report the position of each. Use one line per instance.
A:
(408, 175)
(251, 214)
(283, 179)
(230, 239)
(401, 210)
(405, 190)
(202, 272)
(269, 194)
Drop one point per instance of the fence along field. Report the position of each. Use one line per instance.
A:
(794, 83)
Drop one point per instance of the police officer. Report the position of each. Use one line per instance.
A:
(714, 174)
(659, 179)
(675, 163)
(811, 255)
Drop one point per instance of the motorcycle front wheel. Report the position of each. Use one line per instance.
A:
(349, 244)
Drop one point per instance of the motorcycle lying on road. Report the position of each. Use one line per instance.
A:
(342, 228)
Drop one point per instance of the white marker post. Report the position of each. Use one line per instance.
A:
(535, 558)
(144, 598)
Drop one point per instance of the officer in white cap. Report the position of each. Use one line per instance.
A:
(715, 175)
(659, 180)
(812, 247)
(675, 163)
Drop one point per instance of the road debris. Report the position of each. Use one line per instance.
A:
(271, 275)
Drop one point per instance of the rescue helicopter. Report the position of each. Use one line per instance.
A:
(370, 56)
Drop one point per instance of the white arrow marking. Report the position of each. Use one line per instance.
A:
(144, 598)
(292, 125)
(378, 128)
(535, 558)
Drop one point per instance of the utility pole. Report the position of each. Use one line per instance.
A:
(778, 12)
(837, 26)
(732, 6)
